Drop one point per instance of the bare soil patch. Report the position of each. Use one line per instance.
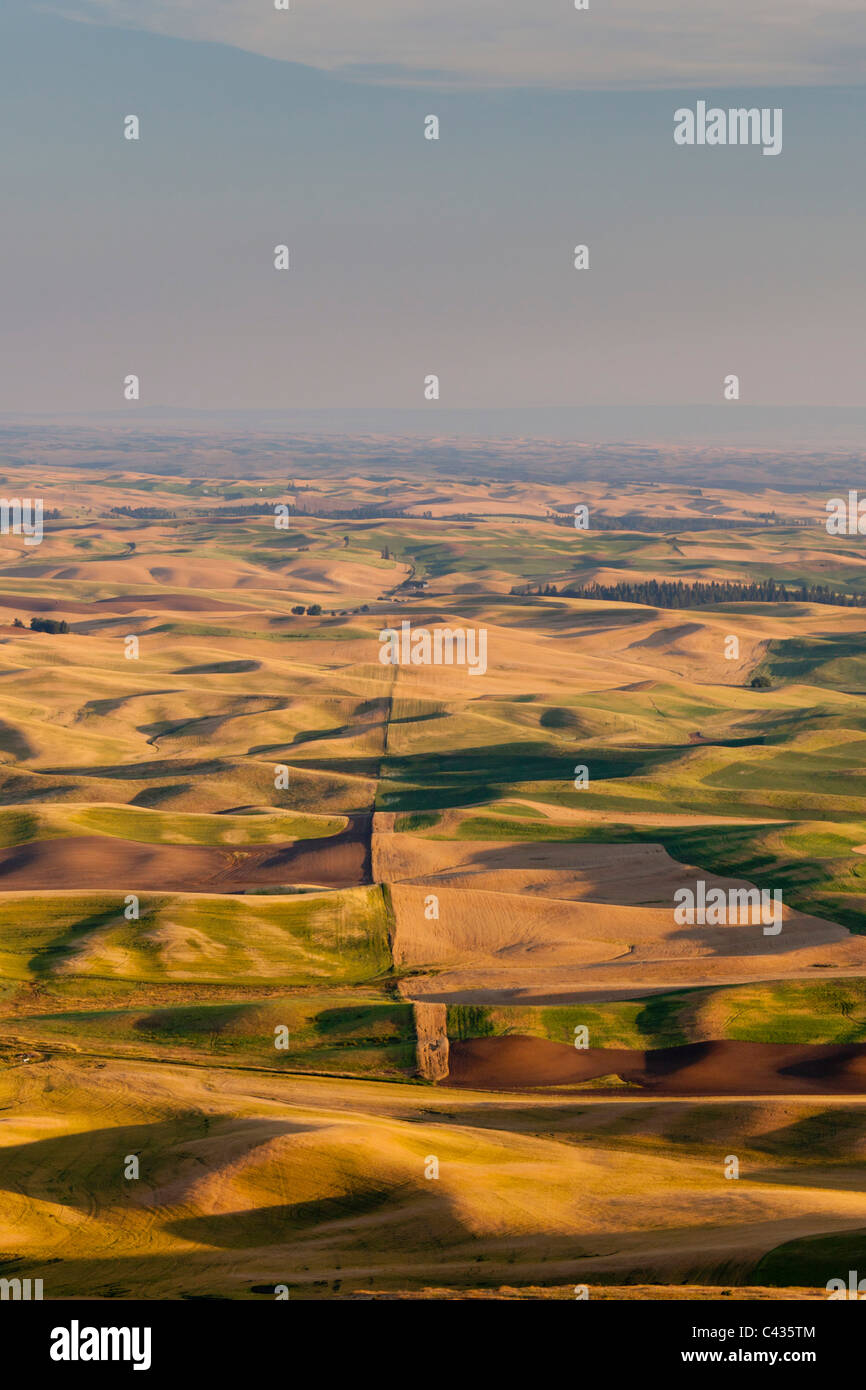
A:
(705, 1068)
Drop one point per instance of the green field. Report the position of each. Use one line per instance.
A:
(828, 1011)
(340, 937)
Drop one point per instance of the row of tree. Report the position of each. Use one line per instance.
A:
(666, 593)
(639, 521)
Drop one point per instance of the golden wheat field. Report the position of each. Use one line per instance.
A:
(366, 979)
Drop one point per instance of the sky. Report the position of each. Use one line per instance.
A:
(627, 44)
(412, 257)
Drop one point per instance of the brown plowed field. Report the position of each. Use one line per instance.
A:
(704, 1068)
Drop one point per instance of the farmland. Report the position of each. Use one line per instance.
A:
(289, 925)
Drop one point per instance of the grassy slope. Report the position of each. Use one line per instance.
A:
(340, 937)
(827, 1011)
(154, 827)
(351, 1033)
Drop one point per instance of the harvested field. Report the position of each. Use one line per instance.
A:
(245, 1175)
(543, 931)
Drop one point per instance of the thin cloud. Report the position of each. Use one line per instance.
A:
(496, 43)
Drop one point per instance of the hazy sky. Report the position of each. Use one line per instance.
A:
(409, 256)
(618, 43)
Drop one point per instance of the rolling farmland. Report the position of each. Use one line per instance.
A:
(314, 938)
